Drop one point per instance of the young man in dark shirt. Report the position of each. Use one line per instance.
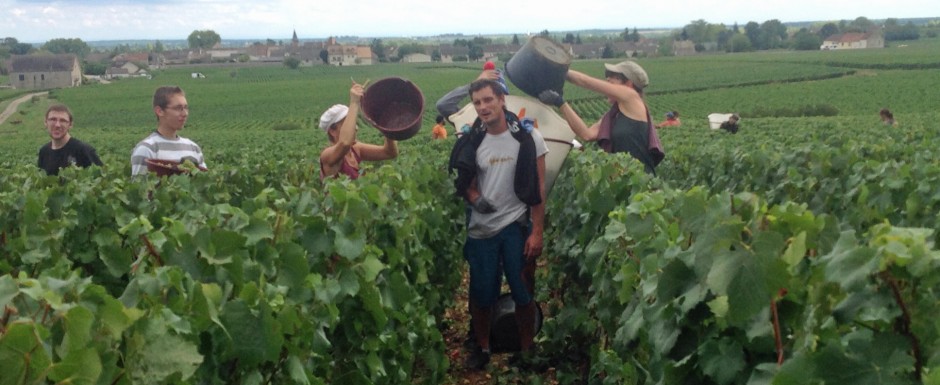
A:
(63, 150)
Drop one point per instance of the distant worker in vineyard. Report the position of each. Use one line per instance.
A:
(500, 167)
(627, 126)
(344, 154)
(672, 120)
(164, 144)
(439, 132)
(731, 125)
(887, 117)
(63, 150)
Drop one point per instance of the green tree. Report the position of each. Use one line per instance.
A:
(21, 48)
(476, 52)
(740, 43)
(74, 46)
(515, 39)
(569, 38)
(378, 48)
(291, 62)
(89, 68)
(724, 39)
(608, 51)
(325, 56)
(436, 54)
(828, 29)
(804, 40)
(635, 36)
(409, 49)
(860, 24)
(158, 47)
(752, 32)
(773, 34)
(894, 31)
(203, 39)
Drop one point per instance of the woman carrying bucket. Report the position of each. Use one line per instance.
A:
(627, 127)
(344, 153)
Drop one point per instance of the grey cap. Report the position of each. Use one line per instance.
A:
(632, 71)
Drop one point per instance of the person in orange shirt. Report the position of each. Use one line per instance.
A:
(672, 119)
(439, 132)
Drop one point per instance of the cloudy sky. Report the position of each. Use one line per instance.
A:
(37, 21)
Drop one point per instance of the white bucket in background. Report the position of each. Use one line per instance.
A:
(554, 129)
(716, 119)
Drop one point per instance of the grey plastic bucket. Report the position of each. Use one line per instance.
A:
(394, 106)
(504, 332)
(541, 64)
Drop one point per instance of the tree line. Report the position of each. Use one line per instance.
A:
(773, 34)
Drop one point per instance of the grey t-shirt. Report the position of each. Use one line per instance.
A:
(496, 170)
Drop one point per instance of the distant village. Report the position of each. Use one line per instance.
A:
(47, 71)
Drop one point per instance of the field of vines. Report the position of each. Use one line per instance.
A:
(800, 251)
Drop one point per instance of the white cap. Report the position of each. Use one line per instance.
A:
(332, 116)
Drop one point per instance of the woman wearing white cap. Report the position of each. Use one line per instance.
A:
(627, 127)
(344, 153)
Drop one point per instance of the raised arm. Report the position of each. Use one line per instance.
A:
(610, 90)
(332, 157)
(372, 152)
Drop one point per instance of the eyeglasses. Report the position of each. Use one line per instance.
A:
(58, 120)
(180, 108)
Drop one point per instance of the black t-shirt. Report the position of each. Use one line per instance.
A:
(632, 136)
(75, 152)
(730, 127)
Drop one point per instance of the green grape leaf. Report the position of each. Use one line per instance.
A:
(112, 252)
(372, 301)
(80, 367)
(77, 325)
(371, 267)
(868, 359)
(255, 338)
(22, 356)
(796, 250)
(294, 267)
(849, 264)
(349, 243)
(154, 354)
(721, 360)
(207, 300)
(8, 290)
(758, 277)
(295, 369)
(257, 230)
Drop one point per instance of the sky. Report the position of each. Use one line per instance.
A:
(37, 21)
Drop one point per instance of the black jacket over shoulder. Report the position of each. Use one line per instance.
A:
(463, 158)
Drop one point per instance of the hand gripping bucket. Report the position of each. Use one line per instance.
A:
(394, 106)
(541, 64)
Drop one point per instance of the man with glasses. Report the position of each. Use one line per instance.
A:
(164, 148)
(63, 150)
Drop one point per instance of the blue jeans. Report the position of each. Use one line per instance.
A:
(486, 256)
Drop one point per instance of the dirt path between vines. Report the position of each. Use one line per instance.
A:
(497, 372)
(16, 104)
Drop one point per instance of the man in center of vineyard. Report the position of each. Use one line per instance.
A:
(500, 167)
